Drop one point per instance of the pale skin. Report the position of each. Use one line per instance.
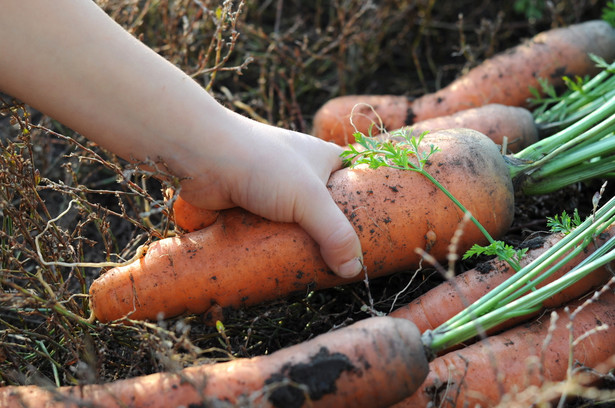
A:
(68, 59)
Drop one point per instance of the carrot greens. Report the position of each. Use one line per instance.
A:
(518, 295)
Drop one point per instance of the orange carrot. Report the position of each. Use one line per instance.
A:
(482, 373)
(243, 259)
(510, 125)
(373, 363)
(449, 298)
(504, 79)
(507, 77)
(337, 119)
(191, 218)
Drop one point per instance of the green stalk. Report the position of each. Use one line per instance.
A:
(525, 305)
(591, 91)
(546, 146)
(577, 153)
(578, 237)
(518, 294)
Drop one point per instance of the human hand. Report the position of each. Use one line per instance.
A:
(280, 175)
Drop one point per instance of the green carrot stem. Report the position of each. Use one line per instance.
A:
(546, 146)
(596, 132)
(576, 237)
(597, 149)
(527, 304)
(592, 89)
(601, 167)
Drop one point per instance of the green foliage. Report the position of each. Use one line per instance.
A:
(497, 248)
(564, 223)
(608, 13)
(532, 9)
(402, 152)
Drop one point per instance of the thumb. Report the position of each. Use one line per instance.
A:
(339, 244)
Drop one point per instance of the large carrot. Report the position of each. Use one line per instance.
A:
(505, 79)
(373, 363)
(449, 298)
(482, 373)
(242, 259)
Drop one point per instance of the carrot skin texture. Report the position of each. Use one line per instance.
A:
(242, 259)
(504, 79)
(373, 363)
(449, 298)
(332, 122)
(496, 121)
(473, 371)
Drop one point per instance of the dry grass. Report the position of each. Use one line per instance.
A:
(275, 61)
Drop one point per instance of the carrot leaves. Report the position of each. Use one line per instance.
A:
(402, 154)
(564, 223)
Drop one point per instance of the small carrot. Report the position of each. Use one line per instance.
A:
(482, 373)
(191, 218)
(449, 298)
(242, 259)
(503, 79)
(373, 363)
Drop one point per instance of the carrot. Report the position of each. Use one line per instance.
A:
(337, 119)
(482, 373)
(497, 121)
(373, 363)
(509, 126)
(242, 259)
(504, 79)
(449, 298)
(191, 218)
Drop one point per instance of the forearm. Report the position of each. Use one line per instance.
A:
(68, 59)
(71, 61)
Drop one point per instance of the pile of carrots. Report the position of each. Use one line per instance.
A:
(505, 79)
(232, 258)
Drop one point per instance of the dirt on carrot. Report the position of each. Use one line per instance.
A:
(503, 79)
(373, 363)
(243, 259)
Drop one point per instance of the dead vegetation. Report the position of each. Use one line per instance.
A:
(274, 61)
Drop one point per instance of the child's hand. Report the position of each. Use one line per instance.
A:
(102, 82)
(280, 175)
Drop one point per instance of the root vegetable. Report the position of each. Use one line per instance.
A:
(503, 79)
(373, 363)
(482, 373)
(242, 259)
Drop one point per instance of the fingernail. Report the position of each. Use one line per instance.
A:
(350, 268)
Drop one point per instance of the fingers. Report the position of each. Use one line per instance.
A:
(329, 227)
